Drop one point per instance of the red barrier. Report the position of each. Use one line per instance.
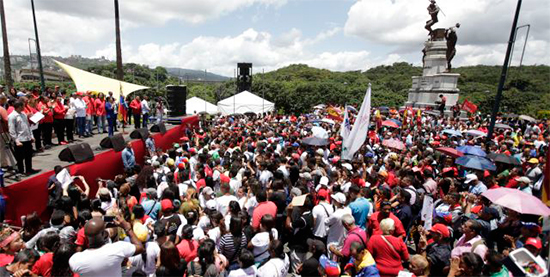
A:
(31, 195)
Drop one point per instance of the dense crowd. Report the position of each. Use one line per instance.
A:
(247, 196)
(31, 117)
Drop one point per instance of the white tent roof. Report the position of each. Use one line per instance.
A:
(244, 102)
(198, 105)
(86, 81)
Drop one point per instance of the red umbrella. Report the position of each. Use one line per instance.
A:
(450, 151)
(393, 143)
(389, 123)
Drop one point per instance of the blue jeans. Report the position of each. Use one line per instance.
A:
(81, 125)
(111, 121)
(101, 123)
(89, 124)
(145, 120)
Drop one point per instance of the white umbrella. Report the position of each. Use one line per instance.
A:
(475, 133)
(527, 118)
(319, 132)
(329, 121)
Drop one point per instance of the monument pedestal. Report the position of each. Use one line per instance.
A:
(435, 80)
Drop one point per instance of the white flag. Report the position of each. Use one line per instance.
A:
(358, 134)
(345, 128)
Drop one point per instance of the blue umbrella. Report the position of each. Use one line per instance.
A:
(472, 150)
(397, 121)
(452, 133)
(476, 162)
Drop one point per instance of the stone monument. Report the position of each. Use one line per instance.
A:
(436, 78)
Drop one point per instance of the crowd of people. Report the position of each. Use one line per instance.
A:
(246, 196)
(30, 118)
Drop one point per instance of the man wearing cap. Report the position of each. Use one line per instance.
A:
(175, 221)
(438, 251)
(150, 203)
(534, 173)
(335, 229)
(534, 245)
(476, 187)
(524, 184)
(321, 212)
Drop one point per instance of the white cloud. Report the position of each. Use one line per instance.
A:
(221, 54)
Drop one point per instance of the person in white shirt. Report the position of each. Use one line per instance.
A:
(278, 263)
(336, 231)
(102, 259)
(145, 110)
(20, 132)
(260, 242)
(321, 212)
(247, 267)
(224, 200)
(80, 107)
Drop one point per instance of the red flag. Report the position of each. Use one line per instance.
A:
(546, 181)
(335, 114)
(469, 106)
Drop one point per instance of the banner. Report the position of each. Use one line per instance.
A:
(345, 128)
(335, 114)
(360, 129)
(469, 106)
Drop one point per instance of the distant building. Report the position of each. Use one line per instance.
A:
(30, 75)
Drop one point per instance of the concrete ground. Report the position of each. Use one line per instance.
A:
(46, 160)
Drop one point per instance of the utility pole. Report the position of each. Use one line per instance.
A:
(503, 74)
(39, 56)
(119, 73)
(7, 62)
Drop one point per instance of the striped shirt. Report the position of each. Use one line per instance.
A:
(228, 248)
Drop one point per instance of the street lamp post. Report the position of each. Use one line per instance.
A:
(39, 56)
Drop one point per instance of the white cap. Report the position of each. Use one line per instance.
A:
(347, 166)
(207, 190)
(524, 180)
(339, 197)
(320, 152)
(323, 181)
(470, 178)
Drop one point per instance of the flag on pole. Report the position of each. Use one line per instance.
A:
(334, 113)
(345, 128)
(122, 107)
(358, 133)
(469, 106)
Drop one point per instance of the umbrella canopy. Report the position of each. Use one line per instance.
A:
(503, 158)
(527, 118)
(517, 200)
(389, 123)
(315, 141)
(476, 133)
(399, 123)
(450, 151)
(393, 143)
(510, 115)
(472, 150)
(320, 107)
(476, 162)
(452, 133)
(502, 126)
(329, 121)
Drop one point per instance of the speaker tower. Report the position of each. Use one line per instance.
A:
(176, 97)
(244, 76)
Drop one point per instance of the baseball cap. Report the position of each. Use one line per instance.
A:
(296, 191)
(470, 178)
(207, 190)
(305, 175)
(348, 166)
(339, 197)
(224, 179)
(524, 179)
(441, 229)
(534, 242)
(211, 204)
(166, 204)
(323, 181)
(332, 269)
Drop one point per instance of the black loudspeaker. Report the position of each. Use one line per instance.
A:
(116, 142)
(176, 96)
(244, 76)
(141, 133)
(158, 128)
(77, 153)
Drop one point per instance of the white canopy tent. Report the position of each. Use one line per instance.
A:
(87, 81)
(244, 102)
(198, 105)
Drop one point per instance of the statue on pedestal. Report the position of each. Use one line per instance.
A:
(450, 36)
(433, 9)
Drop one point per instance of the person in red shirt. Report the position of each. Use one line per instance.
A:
(264, 207)
(187, 247)
(377, 217)
(32, 108)
(45, 107)
(10, 244)
(49, 243)
(136, 111)
(388, 251)
(59, 120)
(90, 113)
(101, 113)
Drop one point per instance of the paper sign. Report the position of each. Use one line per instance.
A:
(298, 201)
(36, 117)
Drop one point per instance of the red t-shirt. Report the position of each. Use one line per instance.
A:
(48, 113)
(188, 249)
(200, 184)
(81, 239)
(136, 106)
(512, 183)
(262, 209)
(90, 107)
(388, 259)
(100, 107)
(43, 266)
(374, 225)
(5, 259)
(59, 110)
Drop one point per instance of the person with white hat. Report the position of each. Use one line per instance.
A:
(524, 185)
(335, 230)
(476, 187)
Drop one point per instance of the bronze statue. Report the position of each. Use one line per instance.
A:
(450, 36)
(433, 9)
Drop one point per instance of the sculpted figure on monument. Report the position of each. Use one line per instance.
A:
(450, 36)
(433, 9)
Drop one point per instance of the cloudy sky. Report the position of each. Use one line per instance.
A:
(333, 34)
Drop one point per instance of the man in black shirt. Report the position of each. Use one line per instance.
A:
(437, 253)
(300, 222)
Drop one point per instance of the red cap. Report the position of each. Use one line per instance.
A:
(224, 179)
(181, 166)
(534, 242)
(441, 229)
(184, 139)
(295, 156)
(339, 142)
(166, 204)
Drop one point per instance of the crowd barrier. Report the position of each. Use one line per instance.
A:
(31, 195)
